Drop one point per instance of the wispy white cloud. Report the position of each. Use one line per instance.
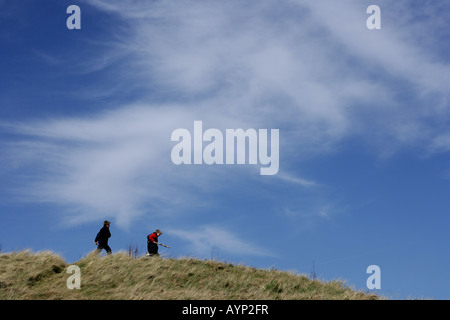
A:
(311, 64)
(203, 240)
(287, 177)
(309, 68)
(440, 143)
(116, 163)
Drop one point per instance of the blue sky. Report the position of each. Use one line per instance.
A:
(86, 118)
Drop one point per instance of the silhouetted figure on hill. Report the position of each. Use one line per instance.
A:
(101, 240)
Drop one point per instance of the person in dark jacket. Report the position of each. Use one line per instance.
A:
(152, 243)
(101, 240)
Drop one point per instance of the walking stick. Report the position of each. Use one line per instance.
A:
(162, 244)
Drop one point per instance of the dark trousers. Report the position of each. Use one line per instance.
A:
(104, 246)
(152, 248)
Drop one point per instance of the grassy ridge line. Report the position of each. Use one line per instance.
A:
(26, 275)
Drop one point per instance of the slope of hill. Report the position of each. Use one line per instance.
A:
(25, 275)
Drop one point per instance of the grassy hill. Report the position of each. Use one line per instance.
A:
(27, 275)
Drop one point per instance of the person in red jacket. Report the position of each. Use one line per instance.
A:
(152, 243)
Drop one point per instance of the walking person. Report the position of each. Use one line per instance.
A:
(101, 240)
(152, 243)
